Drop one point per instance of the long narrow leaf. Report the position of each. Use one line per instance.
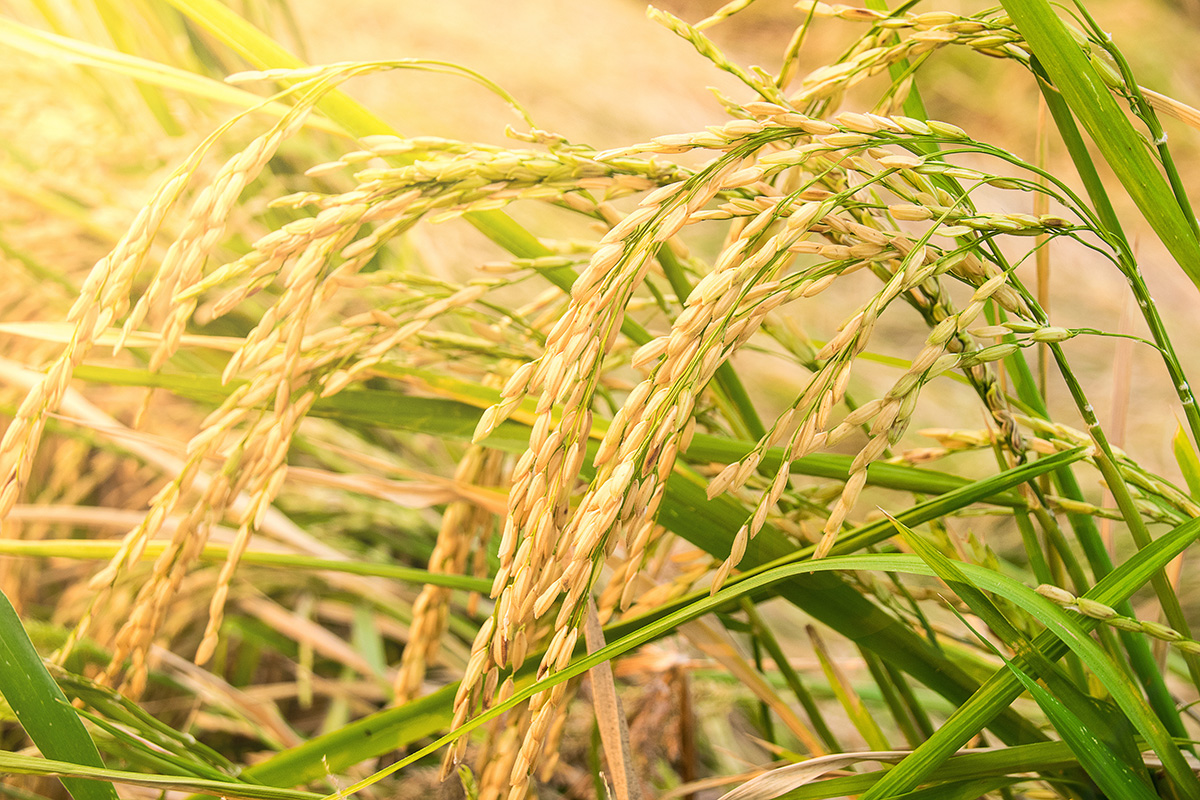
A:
(1123, 149)
(399, 726)
(42, 709)
(218, 554)
(1111, 728)
(457, 415)
(1111, 774)
(101, 780)
(999, 691)
(1073, 635)
(60, 49)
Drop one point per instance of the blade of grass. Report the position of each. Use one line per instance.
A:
(844, 691)
(999, 691)
(102, 779)
(1111, 774)
(1188, 461)
(457, 417)
(42, 709)
(976, 764)
(776, 782)
(1124, 150)
(962, 790)
(60, 49)
(1112, 728)
(1065, 633)
(218, 554)
(891, 696)
(764, 634)
(716, 643)
(122, 34)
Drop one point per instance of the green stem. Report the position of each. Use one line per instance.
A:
(791, 677)
(1146, 114)
(1092, 182)
(1160, 697)
(891, 697)
(1141, 658)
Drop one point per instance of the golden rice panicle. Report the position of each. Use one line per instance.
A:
(203, 230)
(267, 470)
(892, 415)
(263, 449)
(152, 603)
(547, 551)
(721, 314)
(275, 349)
(498, 759)
(103, 298)
(456, 539)
(257, 459)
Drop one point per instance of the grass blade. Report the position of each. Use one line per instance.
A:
(998, 692)
(1123, 148)
(457, 414)
(217, 554)
(1111, 728)
(102, 779)
(1111, 774)
(53, 47)
(42, 709)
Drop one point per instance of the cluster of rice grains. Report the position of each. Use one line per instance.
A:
(806, 197)
(803, 199)
(105, 298)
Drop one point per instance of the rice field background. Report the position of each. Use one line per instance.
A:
(586, 401)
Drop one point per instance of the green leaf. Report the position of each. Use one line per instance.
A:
(1064, 632)
(123, 36)
(1123, 148)
(402, 725)
(264, 52)
(1189, 463)
(1110, 773)
(961, 790)
(1072, 634)
(42, 709)
(1098, 716)
(371, 736)
(219, 554)
(100, 780)
(456, 413)
(61, 49)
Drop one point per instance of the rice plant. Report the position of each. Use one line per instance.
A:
(632, 505)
